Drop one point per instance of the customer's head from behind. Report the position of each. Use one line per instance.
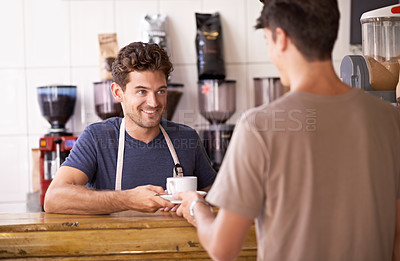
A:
(311, 25)
(140, 57)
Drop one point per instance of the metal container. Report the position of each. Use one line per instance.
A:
(217, 99)
(381, 46)
(174, 94)
(57, 103)
(267, 89)
(106, 105)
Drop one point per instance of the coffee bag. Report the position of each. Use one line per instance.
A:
(209, 47)
(108, 53)
(154, 30)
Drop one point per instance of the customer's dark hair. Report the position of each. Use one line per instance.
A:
(138, 56)
(312, 25)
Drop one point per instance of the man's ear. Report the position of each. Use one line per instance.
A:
(281, 39)
(117, 92)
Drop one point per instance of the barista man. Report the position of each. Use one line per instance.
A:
(318, 169)
(121, 164)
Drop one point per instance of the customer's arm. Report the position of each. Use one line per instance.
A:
(396, 247)
(222, 235)
(68, 194)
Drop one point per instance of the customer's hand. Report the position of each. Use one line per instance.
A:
(187, 198)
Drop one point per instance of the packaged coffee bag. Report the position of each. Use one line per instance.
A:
(209, 47)
(154, 30)
(108, 53)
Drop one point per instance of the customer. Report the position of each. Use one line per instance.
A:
(99, 161)
(318, 170)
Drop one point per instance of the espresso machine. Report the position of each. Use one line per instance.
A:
(217, 103)
(56, 105)
(377, 70)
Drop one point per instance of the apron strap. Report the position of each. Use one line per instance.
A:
(120, 157)
(178, 170)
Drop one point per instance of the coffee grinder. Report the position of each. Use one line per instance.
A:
(217, 103)
(267, 90)
(174, 94)
(105, 104)
(56, 105)
(377, 70)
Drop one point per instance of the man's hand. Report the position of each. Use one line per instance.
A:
(146, 199)
(187, 198)
(222, 236)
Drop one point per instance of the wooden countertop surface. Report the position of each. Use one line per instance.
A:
(121, 236)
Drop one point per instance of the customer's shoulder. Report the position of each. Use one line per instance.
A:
(283, 103)
(375, 104)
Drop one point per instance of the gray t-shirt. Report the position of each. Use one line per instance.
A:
(319, 174)
(95, 154)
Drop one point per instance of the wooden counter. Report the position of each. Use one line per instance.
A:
(122, 236)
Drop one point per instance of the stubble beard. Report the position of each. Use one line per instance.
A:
(139, 121)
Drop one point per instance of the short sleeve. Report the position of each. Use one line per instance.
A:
(239, 186)
(83, 154)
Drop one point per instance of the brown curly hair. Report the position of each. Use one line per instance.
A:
(138, 56)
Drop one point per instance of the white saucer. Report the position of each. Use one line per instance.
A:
(176, 201)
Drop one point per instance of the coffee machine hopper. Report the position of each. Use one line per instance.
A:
(377, 70)
(267, 89)
(217, 103)
(174, 94)
(56, 105)
(105, 104)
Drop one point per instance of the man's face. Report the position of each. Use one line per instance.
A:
(145, 98)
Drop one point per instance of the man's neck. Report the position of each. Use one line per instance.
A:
(139, 133)
(318, 77)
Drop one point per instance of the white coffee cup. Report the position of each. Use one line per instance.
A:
(181, 184)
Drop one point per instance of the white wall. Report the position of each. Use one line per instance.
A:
(55, 41)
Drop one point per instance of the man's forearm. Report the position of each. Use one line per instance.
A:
(210, 236)
(204, 223)
(76, 199)
(222, 236)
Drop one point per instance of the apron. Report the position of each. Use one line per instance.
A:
(177, 170)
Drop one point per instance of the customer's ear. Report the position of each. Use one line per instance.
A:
(281, 39)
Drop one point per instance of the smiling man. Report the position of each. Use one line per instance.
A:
(121, 164)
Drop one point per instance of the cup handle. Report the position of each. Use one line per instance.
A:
(171, 187)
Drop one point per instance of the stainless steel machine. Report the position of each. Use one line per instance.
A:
(377, 70)
(267, 89)
(217, 103)
(106, 105)
(174, 94)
